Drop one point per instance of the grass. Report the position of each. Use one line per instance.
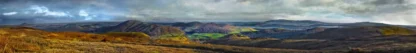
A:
(3, 43)
(215, 36)
(243, 29)
(393, 30)
(131, 37)
(235, 37)
(171, 38)
(206, 36)
(359, 50)
(105, 47)
(237, 49)
(23, 40)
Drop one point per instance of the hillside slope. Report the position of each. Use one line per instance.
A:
(23, 39)
(359, 32)
(154, 31)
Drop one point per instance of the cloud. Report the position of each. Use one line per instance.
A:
(400, 18)
(46, 12)
(332, 18)
(10, 13)
(340, 11)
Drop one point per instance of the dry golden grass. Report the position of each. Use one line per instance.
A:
(3, 43)
(32, 44)
(171, 38)
(76, 36)
(18, 40)
(394, 30)
(127, 37)
(103, 47)
(169, 41)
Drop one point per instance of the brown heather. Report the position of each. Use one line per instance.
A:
(22, 39)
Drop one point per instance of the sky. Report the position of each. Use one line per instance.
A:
(399, 12)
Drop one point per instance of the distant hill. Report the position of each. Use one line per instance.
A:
(369, 38)
(167, 33)
(291, 22)
(213, 28)
(282, 33)
(79, 27)
(234, 37)
(183, 24)
(198, 27)
(360, 32)
(359, 24)
(270, 33)
(295, 24)
(138, 26)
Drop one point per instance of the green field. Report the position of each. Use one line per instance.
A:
(206, 35)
